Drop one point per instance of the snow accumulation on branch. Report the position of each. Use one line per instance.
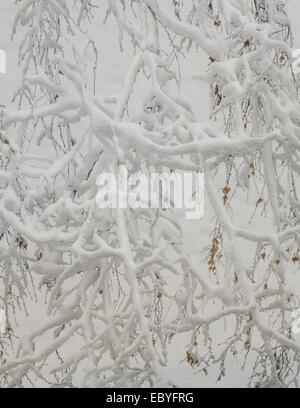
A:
(117, 289)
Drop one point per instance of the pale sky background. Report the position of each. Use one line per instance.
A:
(113, 69)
